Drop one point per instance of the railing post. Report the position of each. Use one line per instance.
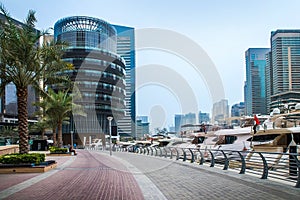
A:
(192, 156)
(212, 162)
(177, 154)
(151, 148)
(243, 167)
(147, 150)
(184, 155)
(265, 169)
(160, 152)
(202, 158)
(298, 166)
(155, 151)
(166, 154)
(171, 156)
(226, 162)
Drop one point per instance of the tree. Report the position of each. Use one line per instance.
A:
(58, 107)
(39, 127)
(24, 63)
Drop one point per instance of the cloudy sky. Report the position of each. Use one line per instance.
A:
(223, 29)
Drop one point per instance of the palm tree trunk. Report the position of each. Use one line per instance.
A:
(59, 127)
(22, 94)
(54, 136)
(43, 134)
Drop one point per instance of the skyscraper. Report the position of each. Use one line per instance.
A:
(285, 66)
(237, 110)
(255, 90)
(269, 80)
(203, 117)
(178, 122)
(144, 119)
(126, 49)
(220, 111)
(98, 72)
(189, 118)
(285, 45)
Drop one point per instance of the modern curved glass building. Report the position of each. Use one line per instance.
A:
(98, 72)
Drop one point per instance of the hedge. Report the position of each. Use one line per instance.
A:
(58, 150)
(33, 158)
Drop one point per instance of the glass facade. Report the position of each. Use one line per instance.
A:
(203, 117)
(99, 72)
(284, 69)
(255, 90)
(178, 122)
(283, 42)
(237, 110)
(269, 80)
(126, 49)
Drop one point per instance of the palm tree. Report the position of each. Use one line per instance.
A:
(40, 127)
(24, 63)
(58, 108)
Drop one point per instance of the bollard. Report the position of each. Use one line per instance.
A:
(292, 161)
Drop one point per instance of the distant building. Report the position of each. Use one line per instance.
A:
(144, 119)
(220, 111)
(178, 122)
(285, 69)
(172, 129)
(189, 118)
(237, 110)
(142, 129)
(203, 117)
(255, 86)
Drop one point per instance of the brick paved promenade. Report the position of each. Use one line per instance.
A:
(96, 175)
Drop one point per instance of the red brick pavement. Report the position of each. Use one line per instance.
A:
(88, 177)
(8, 180)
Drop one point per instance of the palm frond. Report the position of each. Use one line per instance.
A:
(31, 19)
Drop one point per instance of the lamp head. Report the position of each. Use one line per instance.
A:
(110, 118)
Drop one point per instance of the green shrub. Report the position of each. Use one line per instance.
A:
(16, 158)
(58, 150)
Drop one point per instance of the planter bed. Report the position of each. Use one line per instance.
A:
(27, 167)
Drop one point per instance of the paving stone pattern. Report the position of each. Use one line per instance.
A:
(178, 180)
(96, 175)
(85, 178)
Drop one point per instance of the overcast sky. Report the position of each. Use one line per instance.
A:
(224, 30)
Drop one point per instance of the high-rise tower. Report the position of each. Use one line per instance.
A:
(99, 72)
(126, 49)
(285, 54)
(255, 86)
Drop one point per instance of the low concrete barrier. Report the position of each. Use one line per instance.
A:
(9, 149)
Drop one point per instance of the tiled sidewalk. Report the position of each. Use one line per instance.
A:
(82, 177)
(96, 175)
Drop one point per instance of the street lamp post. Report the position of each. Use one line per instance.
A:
(72, 139)
(110, 119)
